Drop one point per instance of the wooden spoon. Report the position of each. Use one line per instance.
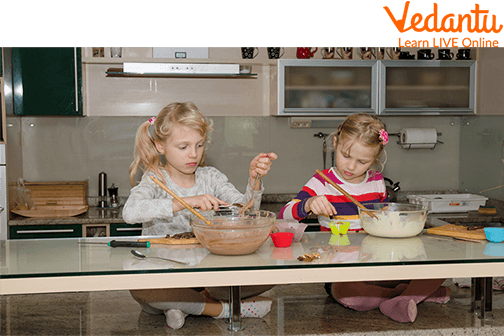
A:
(180, 200)
(250, 202)
(341, 190)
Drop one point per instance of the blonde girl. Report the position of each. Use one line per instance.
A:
(359, 144)
(174, 153)
(171, 147)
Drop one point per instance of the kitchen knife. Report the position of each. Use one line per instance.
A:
(115, 243)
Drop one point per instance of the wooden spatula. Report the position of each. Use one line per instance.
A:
(343, 191)
(181, 201)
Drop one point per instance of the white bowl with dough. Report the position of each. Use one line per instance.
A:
(394, 220)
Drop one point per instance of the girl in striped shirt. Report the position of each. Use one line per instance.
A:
(359, 145)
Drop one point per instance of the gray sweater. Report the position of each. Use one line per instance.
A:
(152, 206)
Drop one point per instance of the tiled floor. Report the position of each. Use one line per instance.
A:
(297, 310)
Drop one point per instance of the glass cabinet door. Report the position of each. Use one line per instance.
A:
(327, 87)
(427, 87)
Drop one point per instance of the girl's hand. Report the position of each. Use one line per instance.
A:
(201, 202)
(261, 164)
(319, 205)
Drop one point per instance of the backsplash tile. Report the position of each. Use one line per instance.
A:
(69, 148)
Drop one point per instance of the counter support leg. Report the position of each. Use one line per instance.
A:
(481, 296)
(235, 308)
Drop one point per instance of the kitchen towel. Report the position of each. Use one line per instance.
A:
(418, 138)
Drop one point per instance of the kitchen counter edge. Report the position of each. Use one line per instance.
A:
(94, 215)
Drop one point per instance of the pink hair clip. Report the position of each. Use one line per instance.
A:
(151, 120)
(383, 137)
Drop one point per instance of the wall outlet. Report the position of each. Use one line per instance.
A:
(300, 123)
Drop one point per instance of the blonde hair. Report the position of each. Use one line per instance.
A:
(146, 157)
(364, 128)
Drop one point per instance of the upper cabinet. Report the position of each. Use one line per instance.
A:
(47, 81)
(427, 87)
(327, 87)
(491, 81)
(341, 87)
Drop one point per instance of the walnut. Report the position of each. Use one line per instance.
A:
(309, 257)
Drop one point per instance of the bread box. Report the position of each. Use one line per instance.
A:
(55, 199)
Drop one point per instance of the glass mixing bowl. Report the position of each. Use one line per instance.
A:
(394, 220)
(233, 234)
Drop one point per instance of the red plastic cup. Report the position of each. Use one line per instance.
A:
(282, 239)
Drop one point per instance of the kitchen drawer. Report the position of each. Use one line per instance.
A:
(125, 230)
(45, 231)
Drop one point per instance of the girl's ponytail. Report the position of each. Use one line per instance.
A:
(146, 156)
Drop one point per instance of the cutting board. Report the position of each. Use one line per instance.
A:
(457, 231)
(171, 241)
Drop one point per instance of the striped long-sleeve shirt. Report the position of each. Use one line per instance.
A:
(371, 190)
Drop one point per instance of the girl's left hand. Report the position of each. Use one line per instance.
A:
(261, 164)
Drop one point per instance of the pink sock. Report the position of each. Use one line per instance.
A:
(400, 309)
(364, 303)
(361, 303)
(441, 295)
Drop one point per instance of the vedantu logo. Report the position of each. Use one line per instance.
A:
(476, 21)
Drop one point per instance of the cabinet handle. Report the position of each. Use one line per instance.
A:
(129, 229)
(46, 231)
(76, 81)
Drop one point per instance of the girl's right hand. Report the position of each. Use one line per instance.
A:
(201, 202)
(319, 205)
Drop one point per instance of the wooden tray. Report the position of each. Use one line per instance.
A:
(457, 231)
(52, 211)
(171, 241)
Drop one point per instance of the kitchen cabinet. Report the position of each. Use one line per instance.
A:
(327, 87)
(491, 81)
(244, 94)
(45, 231)
(47, 81)
(390, 87)
(125, 230)
(112, 229)
(2, 113)
(73, 230)
(427, 87)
